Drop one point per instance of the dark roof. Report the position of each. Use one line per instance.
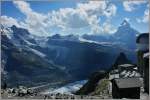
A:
(128, 82)
(145, 35)
(126, 65)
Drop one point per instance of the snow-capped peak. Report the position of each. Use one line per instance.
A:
(18, 36)
(125, 23)
(70, 37)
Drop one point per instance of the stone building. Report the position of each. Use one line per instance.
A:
(125, 67)
(128, 70)
(126, 88)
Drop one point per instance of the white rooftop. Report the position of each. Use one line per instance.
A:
(126, 65)
(146, 55)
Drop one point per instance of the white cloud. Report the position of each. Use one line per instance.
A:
(94, 10)
(34, 21)
(67, 20)
(23, 7)
(92, 7)
(145, 18)
(8, 21)
(131, 5)
(108, 28)
(111, 10)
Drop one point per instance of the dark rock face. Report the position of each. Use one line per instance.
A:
(121, 59)
(82, 57)
(25, 68)
(92, 83)
(20, 31)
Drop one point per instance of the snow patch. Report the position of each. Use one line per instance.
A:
(38, 53)
(68, 89)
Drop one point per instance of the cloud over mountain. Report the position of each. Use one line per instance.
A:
(8, 21)
(90, 17)
(132, 5)
(66, 20)
(145, 18)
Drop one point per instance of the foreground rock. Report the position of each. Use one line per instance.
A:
(91, 85)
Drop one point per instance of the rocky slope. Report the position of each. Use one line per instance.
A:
(91, 85)
(22, 66)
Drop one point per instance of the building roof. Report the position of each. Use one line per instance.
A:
(143, 35)
(126, 65)
(128, 82)
(146, 55)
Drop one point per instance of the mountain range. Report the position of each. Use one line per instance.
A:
(125, 36)
(31, 60)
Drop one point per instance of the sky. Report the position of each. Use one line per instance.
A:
(45, 18)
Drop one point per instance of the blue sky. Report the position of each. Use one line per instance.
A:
(75, 17)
